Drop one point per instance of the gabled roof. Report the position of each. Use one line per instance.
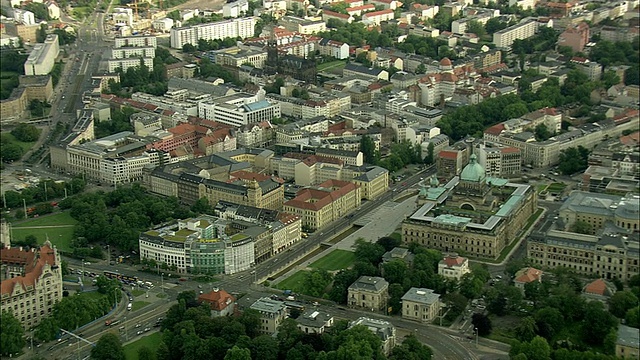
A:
(218, 300)
(453, 261)
(528, 275)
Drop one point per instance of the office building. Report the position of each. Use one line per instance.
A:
(42, 57)
(239, 109)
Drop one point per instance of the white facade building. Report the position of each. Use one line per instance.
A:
(24, 16)
(239, 109)
(124, 64)
(235, 9)
(233, 28)
(138, 40)
(42, 57)
(163, 25)
(505, 38)
(138, 52)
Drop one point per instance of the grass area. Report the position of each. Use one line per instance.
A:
(137, 305)
(59, 236)
(61, 218)
(293, 282)
(92, 295)
(331, 65)
(335, 260)
(81, 12)
(556, 188)
(7, 138)
(307, 257)
(137, 292)
(150, 341)
(540, 188)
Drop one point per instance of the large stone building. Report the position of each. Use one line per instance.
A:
(369, 292)
(272, 314)
(31, 282)
(321, 205)
(472, 213)
(383, 329)
(611, 248)
(39, 87)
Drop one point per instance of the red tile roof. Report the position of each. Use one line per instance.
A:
(452, 261)
(448, 154)
(335, 14)
(217, 300)
(510, 150)
(598, 287)
(335, 189)
(33, 262)
(528, 275)
(495, 129)
(378, 13)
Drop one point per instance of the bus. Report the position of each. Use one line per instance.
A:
(121, 277)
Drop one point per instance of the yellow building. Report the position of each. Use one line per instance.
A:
(369, 292)
(330, 201)
(471, 214)
(422, 305)
(627, 343)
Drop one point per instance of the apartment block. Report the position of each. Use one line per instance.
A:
(126, 63)
(233, 28)
(235, 9)
(137, 52)
(31, 282)
(377, 17)
(500, 161)
(42, 57)
(336, 49)
(576, 37)
(136, 41)
(505, 38)
(321, 205)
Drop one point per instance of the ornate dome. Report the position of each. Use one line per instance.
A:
(445, 62)
(473, 171)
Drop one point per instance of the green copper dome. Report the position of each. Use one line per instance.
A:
(473, 171)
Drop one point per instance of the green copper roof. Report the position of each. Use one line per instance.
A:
(473, 171)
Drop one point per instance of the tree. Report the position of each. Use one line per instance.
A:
(236, 353)
(573, 160)
(632, 318)
(108, 348)
(621, 302)
(369, 252)
(421, 69)
(395, 271)
(610, 78)
(476, 27)
(11, 334)
(470, 286)
(429, 159)
(264, 347)
(542, 133)
(316, 282)
(597, 323)
(144, 353)
(10, 152)
(581, 227)
(411, 349)
(25, 132)
(389, 243)
(368, 148)
(527, 329)
(537, 349)
(482, 323)
(494, 24)
(41, 33)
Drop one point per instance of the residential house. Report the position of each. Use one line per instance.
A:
(313, 321)
(419, 304)
(527, 275)
(453, 266)
(272, 314)
(220, 302)
(369, 292)
(628, 342)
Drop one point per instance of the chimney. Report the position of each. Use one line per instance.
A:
(215, 289)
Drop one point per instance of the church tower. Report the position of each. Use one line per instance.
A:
(271, 66)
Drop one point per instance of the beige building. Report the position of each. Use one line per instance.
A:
(31, 283)
(611, 251)
(453, 266)
(422, 305)
(369, 292)
(505, 38)
(472, 213)
(39, 87)
(272, 314)
(627, 343)
(329, 201)
(313, 321)
(526, 276)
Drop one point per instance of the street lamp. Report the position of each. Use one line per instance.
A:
(476, 330)
(82, 271)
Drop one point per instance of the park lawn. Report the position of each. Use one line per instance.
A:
(335, 260)
(541, 188)
(61, 218)
(94, 295)
(60, 237)
(293, 282)
(556, 187)
(137, 305)
(137, 292)
(8, 138)
(331, 65)
(151, 341)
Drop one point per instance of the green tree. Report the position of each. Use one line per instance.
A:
(597, 323)
(108, 348)
(41, 33)
(621, 302)
(411, 349)
(389, 243)
(10, 152)
(610, 78)
(482, 323)
(573, 160)
(26, 132)
(145, 353)
(368, 148)
(526, 329)
(236, 353)
(476, 27)
(429, 159)
(369, 252)
(11, 334)
(316, 282)
(581, 227)
(542, 133)
(632, 318)
(395, 271)
(494, 24)
(46, 330)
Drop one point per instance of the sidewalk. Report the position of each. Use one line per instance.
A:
(379, 223)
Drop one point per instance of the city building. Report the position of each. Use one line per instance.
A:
(232, 28)
(272, 314)
(31, 282)
(237, 56)
(37, 87)
(599, 290)
(135, 41)
(25, 17)
(354, 158)
(473, 213)
(126, 63)
(377, 17)
(312, 321)
(610, 250)
(419, 304)
(504, 38)
(383, 329)
(397, 253)
(239, 109)
(627, 342)
(365, 72)
(500, 161)
(220, 302)
(329, 201)
(526, 276)
(453, 266)
(255, 135)
(25, 32)
(369, 292)
(42, 57)
(576, 37)
(113, 160)
(235, 9)
(137, 51)
(198, 246)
